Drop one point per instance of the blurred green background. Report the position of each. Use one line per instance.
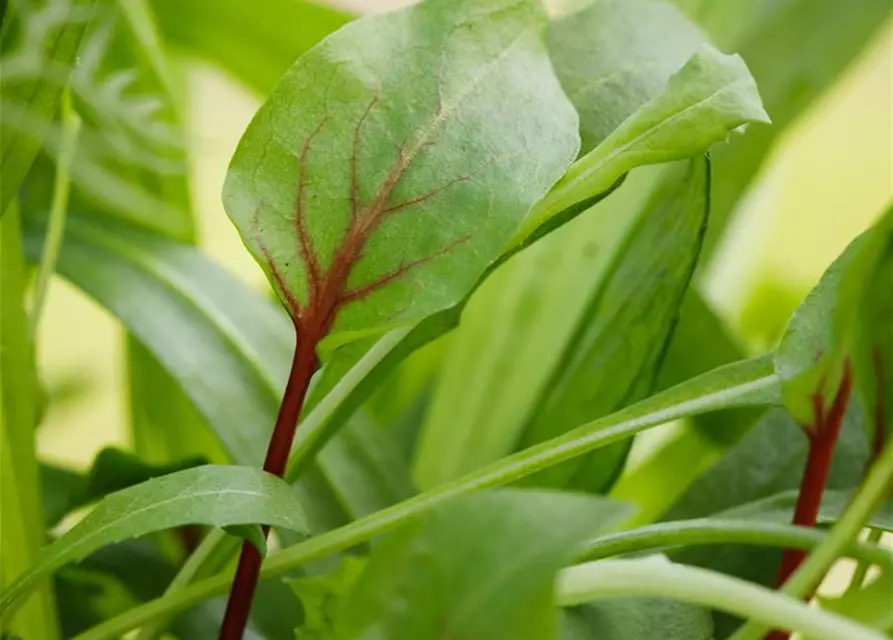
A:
(828, 178)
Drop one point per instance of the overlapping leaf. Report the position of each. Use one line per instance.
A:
(216, 494)
(388, 168)
(478, 568)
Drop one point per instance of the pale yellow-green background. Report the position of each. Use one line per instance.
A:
(830, 176)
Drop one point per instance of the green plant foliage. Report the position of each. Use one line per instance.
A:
(34, 71)
(795, 51)
(254, 42)
(768, 461)
(337, 180)
(608, 78)
(20, 494)
(602, 368)
(636, 618)
(560, 364)
(113, 469)
(711, 95)
(440, 577)
(484, 220)
(214, 494)
(322, 596)
(821, 335)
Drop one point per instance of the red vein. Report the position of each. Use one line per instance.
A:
(294, 307)
(354, 160)
(305, 242)
(327, 294)
(362, 291)
(400, 206)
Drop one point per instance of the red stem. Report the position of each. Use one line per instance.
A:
(823, 435)
(245, 582)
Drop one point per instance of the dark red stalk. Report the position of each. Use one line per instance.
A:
(239, 605)
(327, 293)
(823, 435)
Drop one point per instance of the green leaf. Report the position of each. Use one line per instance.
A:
(255, 42)
(393, 122)
(707, 98)
(365, 468)
(640, 44)
(821, 335)
(21, 511)
(495, 372)
(616, 351)
(112, 470)
(873, 349)
(749, 382)
(322, 596)
(700, 342)
(36, 92)
(795, 50)
(637, 618)
(571, 346)
(480, 567)
(214, 494)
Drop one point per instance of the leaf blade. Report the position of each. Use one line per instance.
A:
(192, 496)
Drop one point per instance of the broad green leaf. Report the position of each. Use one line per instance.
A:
(639, 45)
(481, 567)
(579, 59)
(385, 172)
(700, 342)
(33, 73)
(21, 510)
(112, 469)
(873, 349)
(795, 51)
(820, 338)
(255, 42)
(215, 494)
(706, 99)
(616, 350)
(637, 618)
(322, 596)
(513, 332)
(749, 382)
